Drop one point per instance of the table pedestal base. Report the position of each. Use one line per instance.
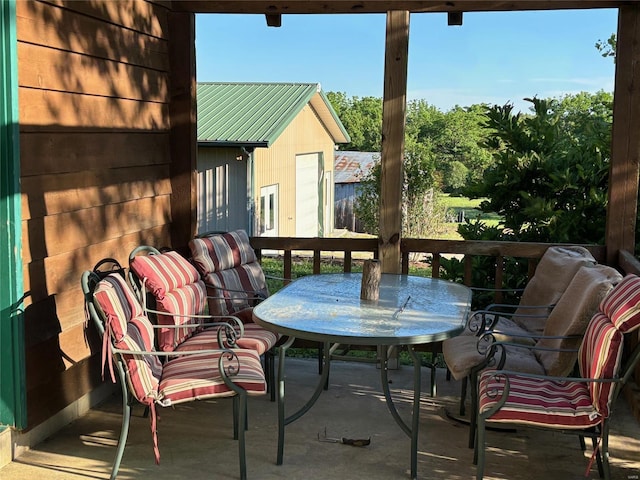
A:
(411, 431)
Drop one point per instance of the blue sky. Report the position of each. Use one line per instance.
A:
(491, 58)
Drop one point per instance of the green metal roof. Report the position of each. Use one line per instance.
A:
(255, 114)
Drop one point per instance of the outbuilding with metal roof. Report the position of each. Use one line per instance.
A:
(265, 158)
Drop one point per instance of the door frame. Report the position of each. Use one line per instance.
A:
(12, 373)
(265, 192)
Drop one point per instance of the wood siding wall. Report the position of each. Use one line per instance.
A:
(95, 165)
(344, 201)
(276, 165)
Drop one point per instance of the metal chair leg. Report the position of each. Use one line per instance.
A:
(473, 414)
(463, 396)
(241, 420)
(270, 360)
(479, 450)
(236, 415)
(604, 450)
(124, 431)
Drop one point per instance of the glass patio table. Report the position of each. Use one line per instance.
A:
(327, 308)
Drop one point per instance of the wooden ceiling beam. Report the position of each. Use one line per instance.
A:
(382, 6)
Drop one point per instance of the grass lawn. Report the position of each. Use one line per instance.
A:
(468, 206)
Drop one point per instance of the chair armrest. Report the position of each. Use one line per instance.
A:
(233, 318)
(496, 354)
(273, 277)
(490, 333)
(494, 307)
(228, 334)
(486, 289)
(252, 297)
(181, 353)
(225, 357)
(484, 320)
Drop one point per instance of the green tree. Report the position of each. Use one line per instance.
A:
(456, 139)
(549, 180)
(362, 118)
(422, 215)
(607, 48)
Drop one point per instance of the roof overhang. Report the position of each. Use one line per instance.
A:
(278, 7)
(208, 143)
(321, 105)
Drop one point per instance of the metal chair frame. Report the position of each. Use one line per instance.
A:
(89, 281)
(601, 431)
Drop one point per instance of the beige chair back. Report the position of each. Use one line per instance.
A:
(571, 316)
(553, 274)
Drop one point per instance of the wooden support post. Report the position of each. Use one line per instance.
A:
(625, 159)
(182, 110)
(393, 120)
(625, 147)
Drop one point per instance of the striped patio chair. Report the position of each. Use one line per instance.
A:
(180, 296)
(234, 278)
(128, 344)
(555, 352)
(582, 404)
(521, 323)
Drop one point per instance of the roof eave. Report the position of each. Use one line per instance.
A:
(238, 144)
(329, 117)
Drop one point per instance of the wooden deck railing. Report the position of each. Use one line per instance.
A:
(436, 249)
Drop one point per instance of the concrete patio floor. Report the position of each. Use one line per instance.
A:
(196, 439)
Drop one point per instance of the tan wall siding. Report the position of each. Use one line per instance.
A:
(276, 165)
(94, 141)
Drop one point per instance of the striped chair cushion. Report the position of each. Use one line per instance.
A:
(164, 273)
(531, 401)
(255, 338)
(221, 252)
(198, 377)
(235, 289)
(117, 302)
(187, 300)
(622, 305)
(231, 270)
(599, 357)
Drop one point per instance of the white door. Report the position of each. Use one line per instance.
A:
(307, 195)
(269, 211)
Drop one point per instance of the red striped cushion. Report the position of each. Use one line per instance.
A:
(255, 338)
(197, 377)
(622, 305)
(532, 401)
(118, 304)
(187, 300)
(130, 329)
(599, 357)
(221, 252)
(164, 272)
(143, 371)
(235, 289)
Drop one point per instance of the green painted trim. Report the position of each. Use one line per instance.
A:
(335, 117)
(12, 372)
(321, 194)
